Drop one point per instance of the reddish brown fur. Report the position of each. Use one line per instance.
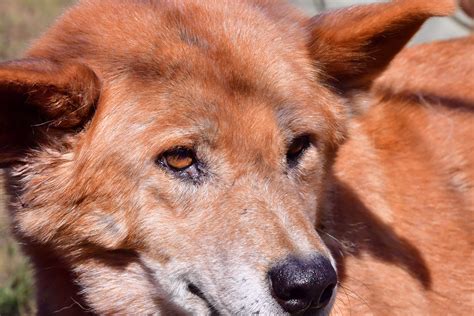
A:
(406, 175)
(117, 83)
(468, 7)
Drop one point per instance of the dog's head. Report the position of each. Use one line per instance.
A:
(176, 154)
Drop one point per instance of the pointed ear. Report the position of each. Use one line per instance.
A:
(38, 93)
(354, 45)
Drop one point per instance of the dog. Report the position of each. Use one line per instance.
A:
(215, 157)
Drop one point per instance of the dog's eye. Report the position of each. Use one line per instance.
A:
(179, 159)
(296, 149)
(183, 164)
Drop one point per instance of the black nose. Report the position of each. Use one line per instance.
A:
(299, 284)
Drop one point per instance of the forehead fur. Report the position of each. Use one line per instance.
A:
(157, 39)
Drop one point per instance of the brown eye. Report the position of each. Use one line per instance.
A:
(182, 163)
(296, 149)
(179, 159)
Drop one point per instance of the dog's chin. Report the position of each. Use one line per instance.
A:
(208, 309)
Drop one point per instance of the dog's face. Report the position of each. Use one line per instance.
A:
(196, 183)
(210, 188)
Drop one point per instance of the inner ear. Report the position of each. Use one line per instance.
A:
(38, 95)
(353, 46)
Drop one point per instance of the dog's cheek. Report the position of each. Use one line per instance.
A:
(127, 291)
(107, 230)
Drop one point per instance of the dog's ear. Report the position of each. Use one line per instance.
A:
(354, 45)
(37, 94)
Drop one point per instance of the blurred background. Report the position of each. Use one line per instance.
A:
(21, 21)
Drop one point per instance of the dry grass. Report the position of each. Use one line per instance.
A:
(21, 21)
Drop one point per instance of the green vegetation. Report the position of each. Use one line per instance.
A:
(21, 21)
(16, 296)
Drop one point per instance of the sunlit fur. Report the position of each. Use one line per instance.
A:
(383, 190)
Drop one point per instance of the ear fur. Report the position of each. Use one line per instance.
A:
(354, 45)
(39, 92)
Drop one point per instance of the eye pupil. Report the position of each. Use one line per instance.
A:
(296, 149)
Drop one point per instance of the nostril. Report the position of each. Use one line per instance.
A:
(297, 293)
(326, 296)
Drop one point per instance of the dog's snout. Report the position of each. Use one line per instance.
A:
(299, 284)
